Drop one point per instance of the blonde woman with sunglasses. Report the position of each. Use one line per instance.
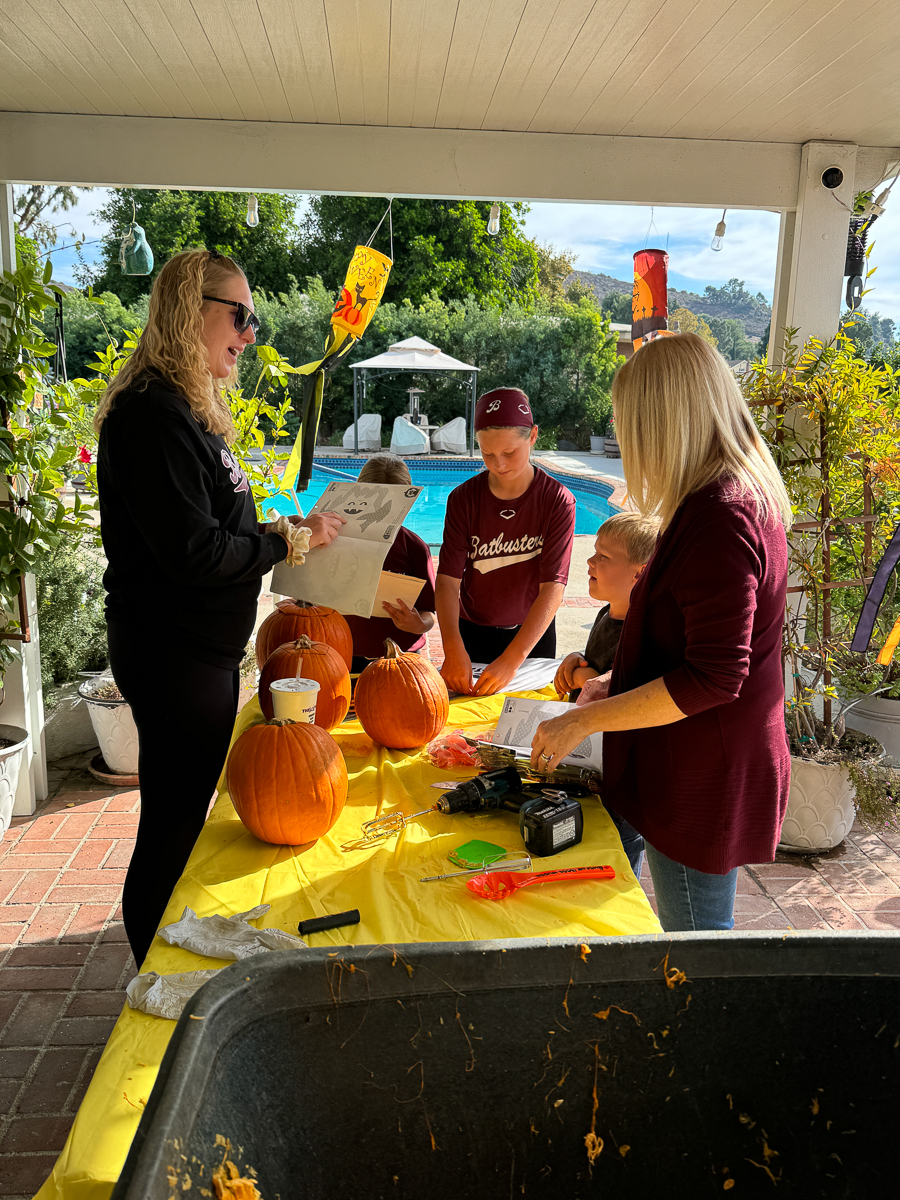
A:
(695, 753)
(186, 558)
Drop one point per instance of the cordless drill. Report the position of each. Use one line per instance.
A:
(548, 822)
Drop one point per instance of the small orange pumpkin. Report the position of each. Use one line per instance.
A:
(306, 659)
(293, 618)
(287, 781)
(401, 700)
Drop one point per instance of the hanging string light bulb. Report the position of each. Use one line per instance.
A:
(719, 236)
(493, 225)
(252, 212)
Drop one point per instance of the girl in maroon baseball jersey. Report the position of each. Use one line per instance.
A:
(504, 561)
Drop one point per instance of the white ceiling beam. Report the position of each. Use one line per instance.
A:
(157, 152)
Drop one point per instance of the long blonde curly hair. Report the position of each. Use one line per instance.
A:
(171, 342)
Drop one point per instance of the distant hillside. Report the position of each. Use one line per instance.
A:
(731, 301)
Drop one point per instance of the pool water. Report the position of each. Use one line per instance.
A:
(427, 515)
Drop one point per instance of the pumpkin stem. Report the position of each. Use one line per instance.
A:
(391, 649)
(281, 721)
(304, 642)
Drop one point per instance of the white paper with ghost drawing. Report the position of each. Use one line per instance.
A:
(346, 574)
(519, 719)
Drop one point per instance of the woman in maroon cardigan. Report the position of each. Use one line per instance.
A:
(695, 754)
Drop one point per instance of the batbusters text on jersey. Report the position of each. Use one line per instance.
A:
(492, 555)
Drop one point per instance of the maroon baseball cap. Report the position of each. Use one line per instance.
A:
(503, 406)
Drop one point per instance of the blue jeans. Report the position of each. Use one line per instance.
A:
(689, 899)
(632, 842)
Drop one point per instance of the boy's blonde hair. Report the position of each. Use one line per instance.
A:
(172, 344)
(385, 468)
(634, 532)
(682, 422)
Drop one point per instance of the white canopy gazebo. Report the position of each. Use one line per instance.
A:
(414, 355)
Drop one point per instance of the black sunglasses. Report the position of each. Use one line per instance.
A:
(242, 318)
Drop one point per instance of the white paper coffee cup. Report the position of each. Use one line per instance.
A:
(295, 699)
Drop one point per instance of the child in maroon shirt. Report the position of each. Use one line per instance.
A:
(505, 556)
(409, 555)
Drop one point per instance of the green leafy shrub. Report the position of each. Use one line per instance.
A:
(70, 602)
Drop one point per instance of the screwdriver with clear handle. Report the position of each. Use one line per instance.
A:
(510, 862)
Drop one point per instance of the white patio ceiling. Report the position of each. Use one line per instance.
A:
(748, 70)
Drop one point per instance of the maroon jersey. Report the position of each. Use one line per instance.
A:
(408, 556)
(503, 550)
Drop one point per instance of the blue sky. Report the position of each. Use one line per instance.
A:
(605, 237)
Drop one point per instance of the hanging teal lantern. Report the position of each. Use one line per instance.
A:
(135, 254)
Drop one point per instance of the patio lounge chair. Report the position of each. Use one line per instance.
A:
(451, 437)
(408, 439)
(369, 433)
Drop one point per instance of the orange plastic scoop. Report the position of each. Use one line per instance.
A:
(499, 884)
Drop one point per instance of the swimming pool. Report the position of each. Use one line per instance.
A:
(439, 479)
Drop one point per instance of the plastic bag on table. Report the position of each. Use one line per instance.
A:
(166, 995)
(227, 937)
(451, 750)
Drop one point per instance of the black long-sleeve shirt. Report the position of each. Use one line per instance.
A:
(186, 553)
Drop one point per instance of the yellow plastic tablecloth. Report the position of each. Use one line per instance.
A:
(230, 871)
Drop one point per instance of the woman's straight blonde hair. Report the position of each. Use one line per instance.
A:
(682, 422)
(171, 342)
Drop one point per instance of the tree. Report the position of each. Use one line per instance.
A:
(561, 354)
(730, 337)
(181, 220)
(554, 268)
(90, 323)
(32, 205)
(442, 247)
(617, 305)
(689, 322)
(870, 332)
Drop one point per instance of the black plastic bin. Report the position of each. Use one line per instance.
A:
(495, 1069)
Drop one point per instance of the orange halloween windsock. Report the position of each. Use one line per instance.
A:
(649, 300)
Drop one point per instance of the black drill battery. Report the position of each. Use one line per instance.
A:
(551, 822)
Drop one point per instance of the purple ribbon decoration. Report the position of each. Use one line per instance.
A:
(874, 596)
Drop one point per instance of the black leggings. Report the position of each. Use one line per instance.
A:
(184, 711)
(484, 643)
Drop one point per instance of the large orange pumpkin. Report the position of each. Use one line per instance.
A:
(401, 700)
(293, 618)
(306, 659)
(287, 781)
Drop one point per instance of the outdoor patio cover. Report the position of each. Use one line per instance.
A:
(413, 354)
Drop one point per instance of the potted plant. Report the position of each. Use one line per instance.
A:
(36, 446)
(829, 418)
(114, 727)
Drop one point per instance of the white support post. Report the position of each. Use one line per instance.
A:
(811, 248)
(23, 703)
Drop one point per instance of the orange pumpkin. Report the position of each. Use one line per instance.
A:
(401, 700)
(306, 659)
(287, 781)
(293, 618)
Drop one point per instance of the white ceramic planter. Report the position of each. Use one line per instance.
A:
(597, 444)
(115, 729)
(820, 809)
(10, 762)
(880, 718)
